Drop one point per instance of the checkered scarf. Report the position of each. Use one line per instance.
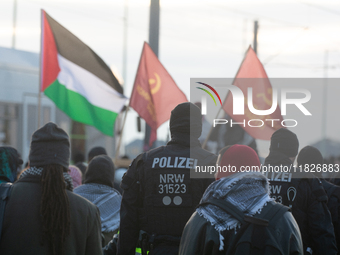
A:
(107, 200)
(249, 192)
(38, 171)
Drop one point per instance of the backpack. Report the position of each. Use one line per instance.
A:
(5, 189)
(257, 235)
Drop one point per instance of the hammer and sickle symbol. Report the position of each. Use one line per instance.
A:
(155, 89)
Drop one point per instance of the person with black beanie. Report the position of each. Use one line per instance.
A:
(95, 151)
(312, 158)
(159, 196)
(99, 189)
(43, 216)
(302, 192)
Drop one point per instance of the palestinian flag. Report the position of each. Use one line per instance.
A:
(77, 80)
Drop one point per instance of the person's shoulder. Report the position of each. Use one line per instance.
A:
(135, 162)
(198, 236)
(289, 220)
(196, 218)
(153, 152)
(132, 173)
(80, 202)
(79, 188)
(328, 185)
(331, 189)
(313, 187)
(283, 219)
(197, 223)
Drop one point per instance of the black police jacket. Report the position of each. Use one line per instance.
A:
(159, 196)
(333, 194)
(308, 200)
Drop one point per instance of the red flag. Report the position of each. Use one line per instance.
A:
(154, 93)
(251, 67)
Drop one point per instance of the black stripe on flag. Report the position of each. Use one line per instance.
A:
(70, 47)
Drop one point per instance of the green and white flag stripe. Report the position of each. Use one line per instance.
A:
(77, 79)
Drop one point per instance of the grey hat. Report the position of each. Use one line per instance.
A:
(285, 141)
(101, 170)
(50, 145)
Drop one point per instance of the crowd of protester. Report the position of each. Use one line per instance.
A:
(51, 207)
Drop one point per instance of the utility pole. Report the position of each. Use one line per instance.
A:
(14, 23)
(324, 106)
(245, 42)
(256, 27)
(154, 26)
(124, 71)
(153, 42)
(125, 40)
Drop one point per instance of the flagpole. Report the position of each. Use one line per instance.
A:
(121, 134)
(41, 62)
(154, 43)
(210, 131)
(125, 34)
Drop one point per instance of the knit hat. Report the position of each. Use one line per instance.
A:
(186, 118)
(96, 151)
(309, 155)
(50, 145)
(101, 170)
(236, 156)
(76, 176)
(285, 141)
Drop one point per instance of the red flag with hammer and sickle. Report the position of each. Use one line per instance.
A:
(251, 74)
(155, 94)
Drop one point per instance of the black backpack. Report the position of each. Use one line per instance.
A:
(257, 234)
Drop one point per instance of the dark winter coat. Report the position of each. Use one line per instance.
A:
(333, 194)
(136, 206)
(22, 228)
(308, 200)
(200, 237)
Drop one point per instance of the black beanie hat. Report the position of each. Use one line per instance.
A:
(186, 118)
(285, 141)
(309, 155)
(50, 145)
(96, 151)
(101, 170)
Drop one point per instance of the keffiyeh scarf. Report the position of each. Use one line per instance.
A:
(249, 192)
(107, 200)
(38, 171)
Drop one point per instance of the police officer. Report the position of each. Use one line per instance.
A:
(159, 196)
(302, 192)
(312, 157)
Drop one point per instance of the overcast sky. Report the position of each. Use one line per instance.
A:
(201, 38)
